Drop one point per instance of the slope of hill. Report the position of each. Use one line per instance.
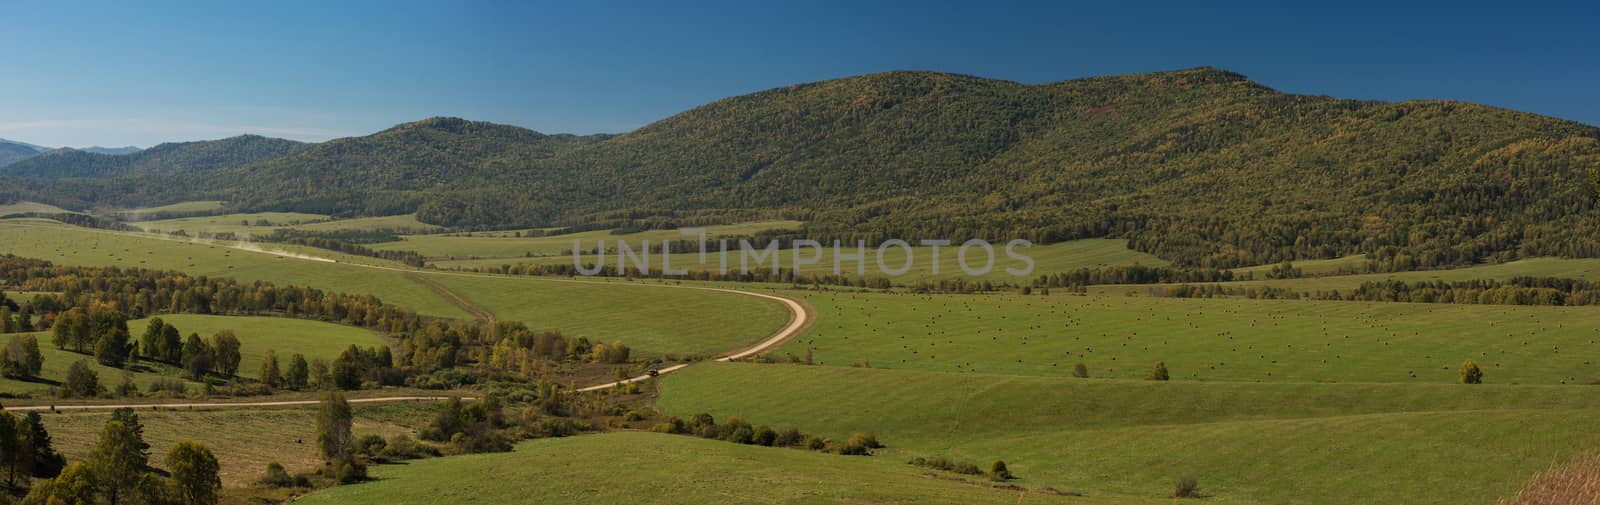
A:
(1199, 166)
(164, 159)
(111, 150)
(11, 152)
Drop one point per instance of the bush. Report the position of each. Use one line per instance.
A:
(1080, 371)
(1470, 373)
(999, 471)
(371, 445)
(1159, 373)
(789, 438)
(816, 443)
(402, 447)
(276, 476)
(942, 464)
(1187, 487)
(765, 436)
(348, 470)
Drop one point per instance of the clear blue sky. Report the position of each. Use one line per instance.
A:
(118, 73)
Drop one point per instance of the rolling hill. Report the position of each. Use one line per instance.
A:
(11, 152)
(164, 159)
(1201, 167)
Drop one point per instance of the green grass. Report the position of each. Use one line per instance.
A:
(1058, 257)
(244, 440)
(1574, 268)
(1299, 443)
(637, 468)
(180, 207)
(648, 317)
(500, 245)
(314, 339)
(24, 207)
(1206, 339)
(400, 222)
(232, 223)
(81, 246)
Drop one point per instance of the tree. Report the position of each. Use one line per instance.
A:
(151, 342)
(11, 454)
(21, 358)
(320, 377)
(110, 336)
(129, 418)
(1470, 373)
(347, 369)
(81, 381)
(334, 434)
(225, 353)
(194, 473)
(1160, 372)
(117, 460)
(299, 372)
(196, 357)
(171, 347)
(43, 460)
(269, 370)
(75, 485)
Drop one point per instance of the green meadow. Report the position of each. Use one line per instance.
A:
(1574, 268)
(1202, 339)
(1058, 257)
(286, 337)
(505, 245)
(404, 222)
(649, 317)
(81, 246)
(24, 207)
(636, 468)
(180, 207)
(1295, 443)
(243, 225)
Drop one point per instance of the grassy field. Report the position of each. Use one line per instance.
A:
(1058, 257)
(407, 222)
(256, 334)
(244, 440)
(502, 245)
(1298, 443)
(81, 246)
(647, 468)
(180, 207)
(648, 317)
(1202, 339)
(23, 207)
(1574, 268)
(243, 225)
(652, 319)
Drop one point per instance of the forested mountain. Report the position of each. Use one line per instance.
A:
(12, 151)
(164, 159)
(111, 150)
(1200, 166)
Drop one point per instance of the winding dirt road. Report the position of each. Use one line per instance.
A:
(799, 318)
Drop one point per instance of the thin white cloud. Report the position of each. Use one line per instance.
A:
(145, 132)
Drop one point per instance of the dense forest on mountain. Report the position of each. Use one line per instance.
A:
(165, 159)
(1201, 166)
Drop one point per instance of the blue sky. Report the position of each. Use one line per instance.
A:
(119, 73)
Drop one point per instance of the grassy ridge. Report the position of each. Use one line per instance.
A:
(1574, 268)
(1208, 339)
(1272, 443)
(647, 468)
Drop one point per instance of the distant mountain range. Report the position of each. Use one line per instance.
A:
(11, 150)
(1201, 166)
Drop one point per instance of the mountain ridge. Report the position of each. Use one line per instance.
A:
(1200, 166)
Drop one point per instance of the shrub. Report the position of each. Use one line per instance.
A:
(998, 471)
(1187, 487)
(1470, 373)
(402, 447)
(1080, 371)
(816, 443)
(1159, 373)
(789, 438)
(371, 445)
(276, 476)
(765, 436)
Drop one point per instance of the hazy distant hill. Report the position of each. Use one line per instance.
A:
(1200, 166)
(164, 159)
(111, 150)
(12, 151)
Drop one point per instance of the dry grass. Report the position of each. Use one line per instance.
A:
(1577, 483)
